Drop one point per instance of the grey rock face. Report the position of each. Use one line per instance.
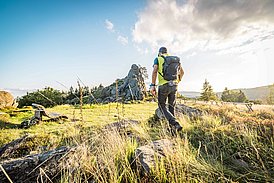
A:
(132, 87)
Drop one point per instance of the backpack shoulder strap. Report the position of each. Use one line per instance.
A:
(164, 61)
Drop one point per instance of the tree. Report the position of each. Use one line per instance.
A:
(143, 71)
(207, 92)
(270, 97)
(225, 95)
(86, 91)
(70, 94)
(233, 96)
(241, 97)
(97, 91)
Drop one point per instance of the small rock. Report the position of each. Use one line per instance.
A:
(146, 154)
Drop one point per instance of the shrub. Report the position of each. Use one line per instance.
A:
(47, 97)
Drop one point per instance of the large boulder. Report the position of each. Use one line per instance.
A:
(6, 99)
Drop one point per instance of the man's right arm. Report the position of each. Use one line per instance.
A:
(153, 81)
(154, 74)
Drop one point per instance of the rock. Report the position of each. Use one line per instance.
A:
(132, 87)
(8, 150)
(240, 163)
(121, 124)
(124, 128)
(146, 155)
(6, 99)
(191, 112)
(27, 169)
(159, 114)
(38, 114)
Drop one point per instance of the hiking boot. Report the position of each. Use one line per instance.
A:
(174, 129)
(177, 127)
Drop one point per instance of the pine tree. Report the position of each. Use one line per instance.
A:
(233, 96)
(207, 92)
(270, 97)
(225, 95)
(241, 97)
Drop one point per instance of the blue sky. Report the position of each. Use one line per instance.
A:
(44, 43)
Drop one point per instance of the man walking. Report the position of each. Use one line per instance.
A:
(169, 72)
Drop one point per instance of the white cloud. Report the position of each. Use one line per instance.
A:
(109, 25)
(223, 25)
(123, 40)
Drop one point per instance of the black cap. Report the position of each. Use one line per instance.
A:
(163, 50)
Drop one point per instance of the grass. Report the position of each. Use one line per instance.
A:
(225, 145)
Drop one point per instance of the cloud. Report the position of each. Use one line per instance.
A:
(123, 40)
(109, 25)
(218, 25)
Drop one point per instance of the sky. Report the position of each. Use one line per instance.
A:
(56, 42)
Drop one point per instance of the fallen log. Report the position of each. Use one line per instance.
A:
(44, 166)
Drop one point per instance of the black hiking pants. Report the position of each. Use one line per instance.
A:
(165, 92)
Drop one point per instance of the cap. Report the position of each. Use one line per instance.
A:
(163, 50)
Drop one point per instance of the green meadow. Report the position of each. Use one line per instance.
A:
(226, 144)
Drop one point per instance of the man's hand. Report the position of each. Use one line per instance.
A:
(153, 90)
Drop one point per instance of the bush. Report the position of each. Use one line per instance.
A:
(48, 97)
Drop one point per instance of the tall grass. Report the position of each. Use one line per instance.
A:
(225, 145)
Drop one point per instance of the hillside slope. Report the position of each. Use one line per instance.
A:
(257, 93)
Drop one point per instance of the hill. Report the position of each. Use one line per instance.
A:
(257, 93)
(190, 94)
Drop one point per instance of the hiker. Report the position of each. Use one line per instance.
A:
(169, 75)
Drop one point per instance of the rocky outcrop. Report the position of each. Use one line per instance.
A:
(6, 99)
(132, 87)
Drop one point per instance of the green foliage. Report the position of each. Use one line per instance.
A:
(73, 96)
(207, 92)
(47, 97)
(97, 91)
(143, 71)
(270, 97)
(233, 96)
(256, 101)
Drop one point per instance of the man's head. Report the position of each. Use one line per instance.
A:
(163, 50)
